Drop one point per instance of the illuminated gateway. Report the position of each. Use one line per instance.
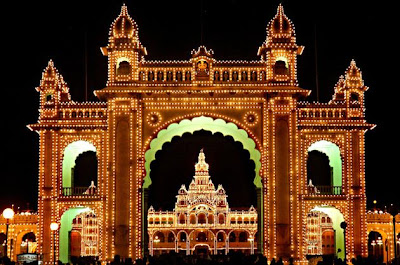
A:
(258, 103)
(202, 221)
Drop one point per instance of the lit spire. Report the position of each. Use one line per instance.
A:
(201, 166)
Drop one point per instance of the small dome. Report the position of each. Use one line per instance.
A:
(280, 26)
(182, 190)
(123, 26)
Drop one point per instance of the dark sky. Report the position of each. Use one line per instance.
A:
(35, 31)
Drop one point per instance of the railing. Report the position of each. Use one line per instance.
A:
(325, 190)
(79, 191)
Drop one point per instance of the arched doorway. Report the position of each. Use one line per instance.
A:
(78, 234)
(201, 250)
(376, 245)
(324, 159)
(79, 168)
(176, 142)
(28, 243)
(323, 234)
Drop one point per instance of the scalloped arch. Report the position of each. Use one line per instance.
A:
(208, 124)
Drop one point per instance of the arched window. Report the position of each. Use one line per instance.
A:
(123, 68)
(232, 237)
(160, 236)
(182, 218)
(201, 237)
(79, 167)
(171, 237)
(243, 237)
(221, 218)
(211, 218)
(244, 76)
(235, 76)
(150, 76)
(201, 218)
(253, 76)
(179, 76)
(193, 218)
(324, 165)
(220, 237)
(216, 76)
(182, 237)
(169, 76)
(160, 76)
(225, 76)
(280, 68)
(188, 76)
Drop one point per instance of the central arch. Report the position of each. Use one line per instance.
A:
(208, 124)
(213, 125)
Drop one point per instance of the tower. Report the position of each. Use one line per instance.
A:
(53, 91)
(350, 90)
(124, 50)
(279, 51)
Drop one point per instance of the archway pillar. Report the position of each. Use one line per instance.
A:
(124, 206)
(282, 158)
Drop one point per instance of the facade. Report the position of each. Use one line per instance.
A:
(146, 103)
(22, 232)
(201, 221)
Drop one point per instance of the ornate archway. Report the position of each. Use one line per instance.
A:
(208, 124)
(192, 125)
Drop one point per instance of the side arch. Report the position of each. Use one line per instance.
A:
(332, 150)
(71, 152)
(65, 228)
(208, 124)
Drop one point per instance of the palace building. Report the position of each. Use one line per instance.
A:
(202, 221)
(146, 103)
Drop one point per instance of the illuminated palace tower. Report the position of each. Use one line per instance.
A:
(201, 220)
(258, 103)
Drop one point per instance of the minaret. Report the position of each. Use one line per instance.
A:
(350, 90)
(53, 91)
(124, 50)
(280, 51)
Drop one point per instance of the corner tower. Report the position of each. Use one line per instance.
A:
(279, 51)
(124, 50)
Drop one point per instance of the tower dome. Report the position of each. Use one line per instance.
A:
(124, 26)
(280, 28)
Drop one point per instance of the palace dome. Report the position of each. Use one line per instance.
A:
(124, 26)
(280, 26)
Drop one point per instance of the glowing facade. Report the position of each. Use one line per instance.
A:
(202, 220)
(22, 233)
(146, 103)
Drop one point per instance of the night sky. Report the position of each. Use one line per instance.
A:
(333, 33)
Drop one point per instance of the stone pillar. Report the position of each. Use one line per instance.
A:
(47, 190)
(125, 198)
(122, 176)
(282, 122)
(282, 188)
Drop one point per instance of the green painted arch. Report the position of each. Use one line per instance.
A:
(337, 218)
(65, 228)
(335, 160)
(208, 124)
(71, 152)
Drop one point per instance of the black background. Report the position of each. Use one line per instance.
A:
(35, 31)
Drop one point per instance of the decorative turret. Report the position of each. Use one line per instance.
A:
(350, 90)
(280, 51)
(124, 50)
(53, 91)
(202, 60)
